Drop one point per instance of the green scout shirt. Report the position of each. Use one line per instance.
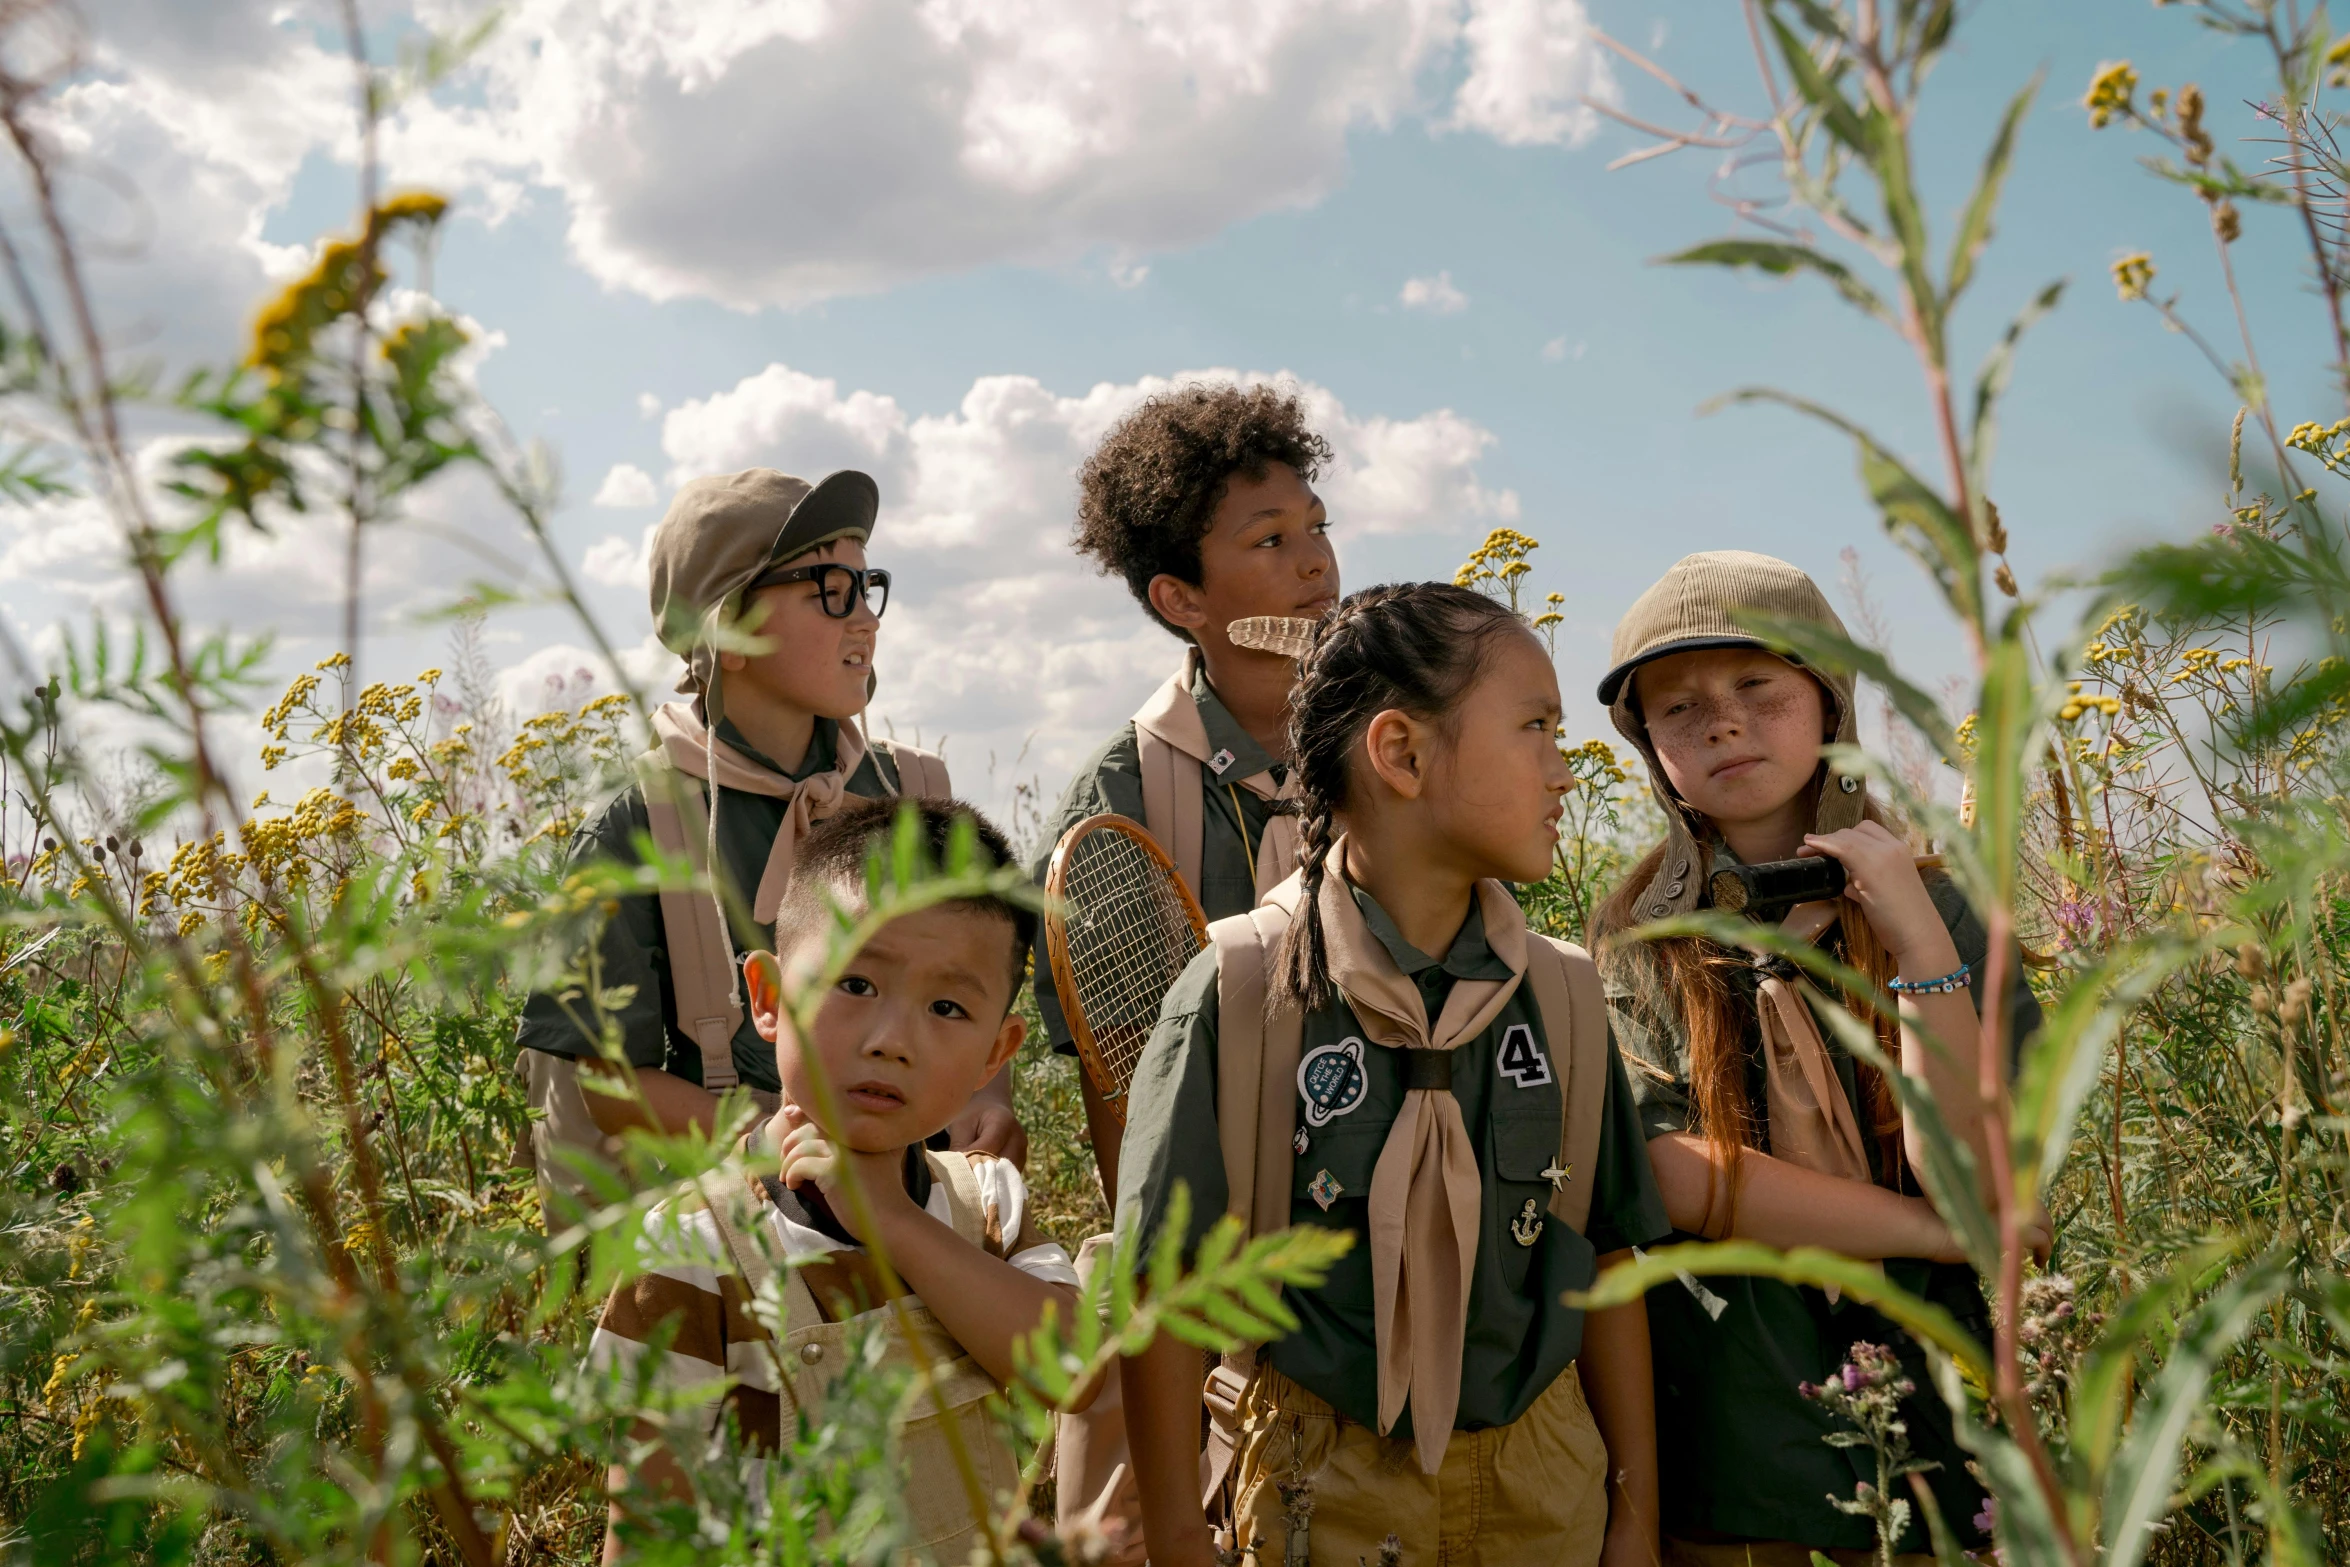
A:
(1232, 824)
(1520, 1338)
(631, 945)
(1742, 1449)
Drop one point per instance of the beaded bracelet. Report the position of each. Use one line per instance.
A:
(1949, 984)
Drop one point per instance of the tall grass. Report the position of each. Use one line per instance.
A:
(278, 1286)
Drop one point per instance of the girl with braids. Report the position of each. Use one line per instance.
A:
(1757, 1126)
(1383, 1048)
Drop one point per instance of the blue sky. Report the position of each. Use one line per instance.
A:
(1598, 439)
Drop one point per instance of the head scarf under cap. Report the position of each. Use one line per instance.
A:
(1696, 605)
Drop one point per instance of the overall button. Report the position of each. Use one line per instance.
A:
(811, 1353)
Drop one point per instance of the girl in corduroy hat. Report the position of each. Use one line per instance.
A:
(1759, 1127)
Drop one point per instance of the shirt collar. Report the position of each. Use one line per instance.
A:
(823, 745)
(1470, 957)
(1225, 734)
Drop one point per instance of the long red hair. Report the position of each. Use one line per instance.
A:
(1683, 983)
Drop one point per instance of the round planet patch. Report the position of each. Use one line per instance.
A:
(1331, 1081)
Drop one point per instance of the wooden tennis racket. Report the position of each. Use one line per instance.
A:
(1120, 928)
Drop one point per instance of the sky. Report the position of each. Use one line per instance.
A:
(951, 242)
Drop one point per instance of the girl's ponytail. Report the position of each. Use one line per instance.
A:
(1414, 647)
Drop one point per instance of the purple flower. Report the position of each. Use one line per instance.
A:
(1988, 1518)
(1853, 1378)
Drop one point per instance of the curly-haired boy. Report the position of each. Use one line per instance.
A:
(1203, 500)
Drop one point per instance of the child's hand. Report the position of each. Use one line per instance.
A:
(811, 1158)
(1881, 875)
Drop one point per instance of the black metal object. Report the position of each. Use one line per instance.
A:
(1775, 886)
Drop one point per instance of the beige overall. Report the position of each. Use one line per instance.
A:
(939, 1520)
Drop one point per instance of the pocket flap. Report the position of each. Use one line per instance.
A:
(1525, 1143)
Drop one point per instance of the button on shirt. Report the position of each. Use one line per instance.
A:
(1520, 1338)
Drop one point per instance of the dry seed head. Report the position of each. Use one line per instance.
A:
(2296, 1005)
(2262, 1000)
(2251, 962)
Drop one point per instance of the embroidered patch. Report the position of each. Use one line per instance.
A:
(1324, 1189)
(1520, 1059)
(1300, 1143)
(1526, 1228)
(1220, 761)
(1331, 1081)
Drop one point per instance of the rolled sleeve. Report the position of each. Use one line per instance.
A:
(1626, 1208)
(1171, 1132)
(1655, 1069)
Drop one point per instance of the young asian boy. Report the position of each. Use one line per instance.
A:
(921, 1018)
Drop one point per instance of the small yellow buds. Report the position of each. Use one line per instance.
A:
(2109, 92)
(2133, 275)
(2225, 222)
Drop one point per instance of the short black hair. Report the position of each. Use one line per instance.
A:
(834, 856)
(1146, 495)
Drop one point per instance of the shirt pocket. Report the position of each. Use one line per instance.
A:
(1522, 1147)
(1337, 1165)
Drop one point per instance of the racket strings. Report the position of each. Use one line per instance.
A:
(1129, 937)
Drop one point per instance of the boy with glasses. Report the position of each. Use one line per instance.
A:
(760, 584)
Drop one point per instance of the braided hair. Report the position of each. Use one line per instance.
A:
(1411, 646)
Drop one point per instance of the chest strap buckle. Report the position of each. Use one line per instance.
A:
(1429, 1069)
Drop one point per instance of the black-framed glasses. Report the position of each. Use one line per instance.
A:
(840, 589)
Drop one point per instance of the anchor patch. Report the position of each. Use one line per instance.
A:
(1526, 1228)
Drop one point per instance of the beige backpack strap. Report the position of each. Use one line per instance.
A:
(1574, 1023)
(1257, 1051)
(966, 1212)
(701, 954)
(1172, 805)
(922, 775)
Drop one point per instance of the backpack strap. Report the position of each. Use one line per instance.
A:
(922, 775)
(1257, 1049)
(959, 1178)
(701, 953)
(1173, 807)
(1568, 994)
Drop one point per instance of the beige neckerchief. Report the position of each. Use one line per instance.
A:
(1426, 1193)
(1172, 714)
(1811, 1121)
(695, 750)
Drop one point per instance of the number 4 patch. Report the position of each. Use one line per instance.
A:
(1520, 1059)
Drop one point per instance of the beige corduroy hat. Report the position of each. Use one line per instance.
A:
(721, 532)
(1696, 605)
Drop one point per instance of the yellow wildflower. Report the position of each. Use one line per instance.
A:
(2133, 275)
(2109, 92)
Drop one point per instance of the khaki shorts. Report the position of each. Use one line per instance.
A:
(1533, 1491)
(1769, 1553)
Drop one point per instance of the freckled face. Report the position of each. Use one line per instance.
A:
(1737, 730)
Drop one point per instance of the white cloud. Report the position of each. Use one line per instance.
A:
(1531, 65)
(1436, 295)
(625, 484)
(927, 136)
(648, 405)
(1559, 349)
(998, 637)
(616, 563)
